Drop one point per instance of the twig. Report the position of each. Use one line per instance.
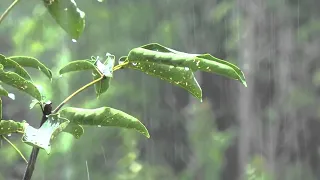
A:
(6, 12)
(35, 150)
(14, 147)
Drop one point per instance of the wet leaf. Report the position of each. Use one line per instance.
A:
(10, 126)
(16, 81)
(67, 15)
(31, 62)
(8, 63)
(179, 76)
(79, 65)
(74, 129)
(106, 69)
(3, 92)
(101, 86)
(33, 103)
(43, 136)
(104, 116)
(155, 53)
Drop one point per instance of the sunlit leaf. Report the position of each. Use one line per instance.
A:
(16, 81)
(75, 129)
(79, 65)
(10, 126)
(155, 53)
(31, 62)
(43, 136)
(105, 69)
(104, 116)
(8, 63)
(67, 15)
(179, 76)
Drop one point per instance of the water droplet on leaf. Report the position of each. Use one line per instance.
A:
(134, 63)
(12, 96)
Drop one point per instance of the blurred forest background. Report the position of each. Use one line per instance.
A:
(267, 131)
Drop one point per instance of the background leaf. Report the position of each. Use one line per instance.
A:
(26, 61)
(79, 65)
(3, 92)
(67, 15)
(8, 63)
(104, 116)
(11, 126)
(182, 77)
(43, 136)
(16, 81)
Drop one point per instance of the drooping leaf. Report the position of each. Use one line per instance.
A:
(104, 116)
(75, 129)
(207, 63)
(43, 136)
(16, 81)
(67, 15)
(10, 126)
(31, 62)
(106, 69)
(79, 65)
(8, 63)
(180, 76)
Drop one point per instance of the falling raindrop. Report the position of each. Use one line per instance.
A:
(9, 135)
(99, 125)
(73, 40)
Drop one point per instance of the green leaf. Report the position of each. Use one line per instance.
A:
(8, 63)
(10, 126)
(79, 65)
(155, 53)
(43, 136)
(31, 62)
(106, 69)
(16, 81)
(67, 15)
(0, 109)
(182, 77)
(74, 129)
(3, 92)
(104, 116)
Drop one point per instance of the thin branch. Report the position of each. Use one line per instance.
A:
(14, 147)
(6, 12)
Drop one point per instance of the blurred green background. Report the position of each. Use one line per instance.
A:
(267, 131)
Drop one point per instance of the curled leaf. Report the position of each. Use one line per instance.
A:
(104, 116)
(31, 62)
(43, 136)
